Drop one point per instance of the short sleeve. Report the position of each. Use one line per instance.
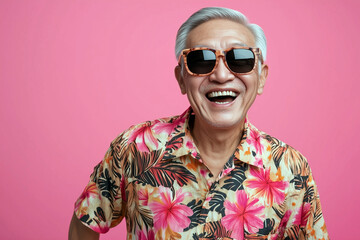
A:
(315, 225)
(305, 220)
(101, 204)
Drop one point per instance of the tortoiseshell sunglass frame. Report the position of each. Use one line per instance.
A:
(218, 54)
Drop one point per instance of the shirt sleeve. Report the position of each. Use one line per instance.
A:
(315, 224)
(101, 205)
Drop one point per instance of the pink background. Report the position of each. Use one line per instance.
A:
(74, 74)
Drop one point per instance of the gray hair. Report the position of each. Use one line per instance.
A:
(209, 13)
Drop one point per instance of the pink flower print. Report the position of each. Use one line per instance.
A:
(203, 173)
(192, 149)
(282, 226)
(169, 212)
(101, 228)
(284, 220)
(190, 146)
(265, 187)
(89, 191)
(242, 214)
(168, 127)
(255, 140)
(146, 236)
(144, 138)
(258, 162)
(302, 215)
(227, 171)
(144, 195)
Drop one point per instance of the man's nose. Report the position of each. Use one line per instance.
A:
(221, 73)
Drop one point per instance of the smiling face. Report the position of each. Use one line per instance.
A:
(221, 99)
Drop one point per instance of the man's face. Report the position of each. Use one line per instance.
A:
(225, 112)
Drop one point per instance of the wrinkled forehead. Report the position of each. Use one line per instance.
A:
(220, 33)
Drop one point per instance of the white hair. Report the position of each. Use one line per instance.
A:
(209, 13)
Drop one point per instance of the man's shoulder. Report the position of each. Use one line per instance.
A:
(150, 135)
(276, 143)
(273, 141)
(283, 154)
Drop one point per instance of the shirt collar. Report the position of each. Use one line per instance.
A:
(250, 150)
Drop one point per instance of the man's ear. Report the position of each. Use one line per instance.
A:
(262, 78)
(180, 79)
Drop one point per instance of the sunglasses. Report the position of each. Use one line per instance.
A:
(202, 61)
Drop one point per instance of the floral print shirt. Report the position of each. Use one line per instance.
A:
(153, 175)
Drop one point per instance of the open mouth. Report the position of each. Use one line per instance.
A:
(221, 97)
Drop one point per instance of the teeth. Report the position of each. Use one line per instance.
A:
(221, 102)
(222, 93)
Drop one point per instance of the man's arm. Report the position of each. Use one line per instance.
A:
(78, 231)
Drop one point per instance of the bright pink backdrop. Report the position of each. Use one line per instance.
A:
(74, 74)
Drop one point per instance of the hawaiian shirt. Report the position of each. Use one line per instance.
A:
(153, 175)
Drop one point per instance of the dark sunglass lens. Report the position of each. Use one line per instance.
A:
(240, 60)
(201, 61)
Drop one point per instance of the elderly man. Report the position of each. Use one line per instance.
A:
(208, 173)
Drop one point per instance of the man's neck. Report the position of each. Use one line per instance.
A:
(216, 145)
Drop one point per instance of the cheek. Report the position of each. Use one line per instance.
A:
(194, 84)
(250, 82)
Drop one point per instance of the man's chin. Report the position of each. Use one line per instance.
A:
(224, 123)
